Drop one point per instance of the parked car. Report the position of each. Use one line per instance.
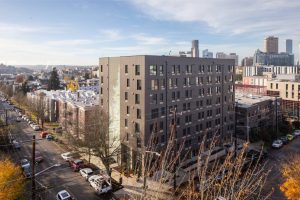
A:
(16, 144)
(38, 157)
(49, 137)
(69, 155)
(43, 134)
(27, 172)
(296, 133)
(277, 144)
(36, 128)
(25, 163)
(290, 137)
(284, 139)
(86, 172)
(76, 164)
(18, 119)
(101, 183)
(63, 195)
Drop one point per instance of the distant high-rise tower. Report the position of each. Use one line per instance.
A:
(289, 46)
(207, 54)
(271, 44)
(195, 49)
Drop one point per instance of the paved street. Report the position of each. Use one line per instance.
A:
(276, 157)
(56, 178)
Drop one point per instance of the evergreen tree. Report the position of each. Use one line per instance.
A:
(54, 80)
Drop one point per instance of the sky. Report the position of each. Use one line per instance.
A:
(78, 32)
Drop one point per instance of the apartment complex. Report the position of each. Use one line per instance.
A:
(283, 59)
(140, 93)
(71, 109)
(234, 56)
(255, 114)
(289, 91)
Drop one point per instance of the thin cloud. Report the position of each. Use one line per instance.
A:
(149, 40)
(18, 28)
(69, 42)
(111, 34)
(228, 17)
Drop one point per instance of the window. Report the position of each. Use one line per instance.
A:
(201, 69)
(126, 122)
(286, 95)
(127, 110)
(197, 104)
(188, 69)
(128, 82)
(178, 94)
(126, 96)
(271, 86)
(292, 86)
(161, 97)
(162, 111)
(126, 69)
(286, 86)
(161, 70)
(154, 113)
(138, 113)
(127, 137)
(154, 84)
(276, 85)
(154, 99)
(101, 68)
(137, 70)
(173, 96)
(137, 98)
(163, 84)
(153, 70)
(137, 127)
(138, 84)
(101, 79)
(173, 69)
(209, 68)
(178, 69)
(218, 69)
(161, 125)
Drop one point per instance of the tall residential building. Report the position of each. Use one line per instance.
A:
(289, 46)
(139, 93)
(271, 44)
(234, 56)
(207, 54)
(195, 49)
(278, 59)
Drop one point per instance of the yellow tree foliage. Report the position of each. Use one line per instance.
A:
(11, 180)
(291, 174)
(73, 86)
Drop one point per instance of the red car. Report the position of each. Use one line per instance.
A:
(76, 164)
(43, 134)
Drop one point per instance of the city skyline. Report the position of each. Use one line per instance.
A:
(79, 32)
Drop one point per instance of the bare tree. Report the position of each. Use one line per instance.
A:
(230, 177)
(94, 138)
(38, 107)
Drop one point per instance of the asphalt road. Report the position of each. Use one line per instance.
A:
(275, 159)
(50, 182)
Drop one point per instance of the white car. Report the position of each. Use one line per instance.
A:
(16, 144)
(36, 128)
(277, 144)
(296, 133)
(25, 163)
(63, 195)
(100, 183)
(67, 156)
(18, 119)
(86, 172)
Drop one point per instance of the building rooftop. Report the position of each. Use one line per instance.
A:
(248, 100)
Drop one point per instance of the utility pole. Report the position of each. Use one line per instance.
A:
(6, 117)
(298, 124)
(33, 168)
(235, 124)
(175, 146)
(276, 115)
